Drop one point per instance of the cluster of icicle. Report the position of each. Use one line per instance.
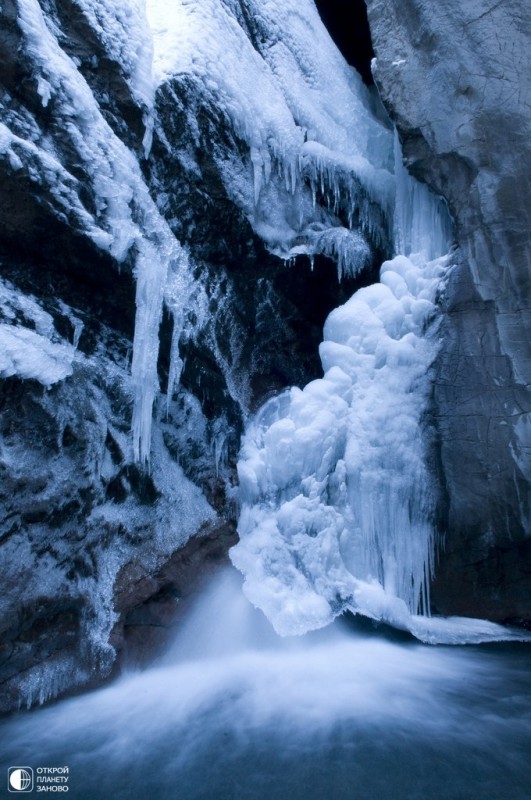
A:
(125, 220)
(298, 107)
(303, 114)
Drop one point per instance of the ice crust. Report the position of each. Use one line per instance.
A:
(32, 356)
(336, 496)
(30, 347)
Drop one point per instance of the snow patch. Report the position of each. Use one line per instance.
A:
(31, 356)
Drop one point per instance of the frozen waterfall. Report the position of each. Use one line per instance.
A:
(338, 503)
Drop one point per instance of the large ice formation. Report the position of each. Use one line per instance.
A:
(338, 504)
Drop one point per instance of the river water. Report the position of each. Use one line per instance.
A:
(346, 713)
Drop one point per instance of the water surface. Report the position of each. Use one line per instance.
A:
(347, 713)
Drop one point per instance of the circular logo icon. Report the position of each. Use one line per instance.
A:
(20, 780)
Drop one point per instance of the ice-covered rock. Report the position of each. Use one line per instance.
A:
(258, 67)
(178, 201)
(108, 163)
(455, 77)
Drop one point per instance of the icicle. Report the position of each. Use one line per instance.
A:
(162, 273)
(78, 330)
(347, 248)
(151, 271)
(422, 223)
(293, 175)
(177, 293)
(266, 158)
(147, 141)
(257, 162)
(176, 365)
(219, 443)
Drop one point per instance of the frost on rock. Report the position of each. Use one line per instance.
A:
(126, 38)
(122, 29)
(69, 485)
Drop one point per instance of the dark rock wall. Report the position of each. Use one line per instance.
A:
(91, 546)
(455, 78)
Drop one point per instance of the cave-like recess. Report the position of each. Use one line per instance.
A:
(347, 24)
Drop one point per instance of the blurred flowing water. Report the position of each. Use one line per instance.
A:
(350, 713)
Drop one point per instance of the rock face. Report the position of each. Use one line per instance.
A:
(455, 79)
(102, 170)
(121, 191)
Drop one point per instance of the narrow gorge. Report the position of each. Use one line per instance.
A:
(260, 306)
